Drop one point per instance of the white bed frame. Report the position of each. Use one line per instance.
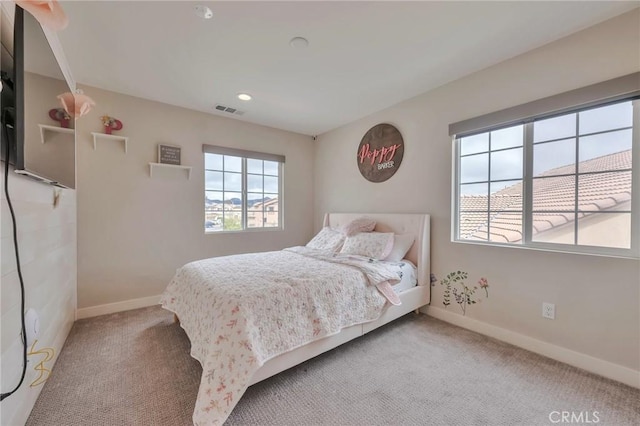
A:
(412, 299)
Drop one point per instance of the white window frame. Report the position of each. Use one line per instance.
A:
(246, 155)
(518, 116)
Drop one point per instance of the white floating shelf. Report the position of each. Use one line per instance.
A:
(46, 128)
(169, 166)
(114, 138)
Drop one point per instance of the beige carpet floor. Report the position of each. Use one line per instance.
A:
(134, 368)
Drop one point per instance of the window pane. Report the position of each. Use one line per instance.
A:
(474, 168)
(213, 180)
(271, 207)
(507, 138)
(481, 234)
(554, 158)
(255, 213)
(264, 213)
(213, 161)
(506, 164)
(232, 220)
(233, 200)
(270, 184)
(232, 211)
(271, 213)
(213, 211)
(271, 168)
(506, 227)
(233, 182)
(213, 220)
(475, 143)
(254, 197)
(606, 118)
(254, 166)
(474, 189)
(554, 194)
(473, 226)
(213, 199)
(254, 183)
(604, 191)
(255, 219)
(605, 230)
(553, 228)
(255, 201)
(474, 196)
(506, 195)
(232, 164)
(606, 151)
(554, 128)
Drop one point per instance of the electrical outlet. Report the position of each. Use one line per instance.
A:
(549, 310)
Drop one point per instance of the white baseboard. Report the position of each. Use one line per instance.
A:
(109, 308)
(594, 365)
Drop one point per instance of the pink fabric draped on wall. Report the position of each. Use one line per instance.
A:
(48, 13)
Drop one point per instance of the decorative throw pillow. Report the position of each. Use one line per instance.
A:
(376, 245)
(362, 224)
(401, 245)
(327, 239)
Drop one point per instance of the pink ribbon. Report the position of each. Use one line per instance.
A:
(48, 13)
(76, 104)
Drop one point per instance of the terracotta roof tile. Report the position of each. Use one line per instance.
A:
(551, 193)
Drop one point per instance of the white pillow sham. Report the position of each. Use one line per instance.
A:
(376, 245)
(327, 239)
(401, 245)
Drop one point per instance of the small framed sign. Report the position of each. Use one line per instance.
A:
(169, 154)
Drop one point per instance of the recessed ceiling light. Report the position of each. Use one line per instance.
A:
(299, 42)
(244, 96)
(203, 12)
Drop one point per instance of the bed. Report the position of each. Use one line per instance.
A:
(268, 312)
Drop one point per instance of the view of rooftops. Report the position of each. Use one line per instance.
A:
(580, 190)
(240, 193)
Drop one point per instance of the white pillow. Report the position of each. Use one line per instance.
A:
(361, 224)
(401, 245)
(327, 239)
(376, 245)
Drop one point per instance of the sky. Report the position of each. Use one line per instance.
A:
(262, 177)
(561, 151)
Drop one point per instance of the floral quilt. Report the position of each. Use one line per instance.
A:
(240, 311)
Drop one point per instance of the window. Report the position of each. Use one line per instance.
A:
(242, 190)
(566, 182)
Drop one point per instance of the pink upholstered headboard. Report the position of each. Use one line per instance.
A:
(399, 223)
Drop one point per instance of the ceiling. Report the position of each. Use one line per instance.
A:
(362, 56)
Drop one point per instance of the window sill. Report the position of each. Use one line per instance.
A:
(244, 231)
(607, 252)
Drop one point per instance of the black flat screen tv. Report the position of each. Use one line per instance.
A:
(39, 146)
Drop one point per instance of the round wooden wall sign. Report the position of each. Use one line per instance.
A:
(380, 153)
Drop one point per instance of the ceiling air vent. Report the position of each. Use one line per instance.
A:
(228, 110)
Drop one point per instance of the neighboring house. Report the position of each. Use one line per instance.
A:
(554, 199)
(263, 214)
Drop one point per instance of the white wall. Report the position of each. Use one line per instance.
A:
(134, 230)
(47, 241)
(597, 298)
